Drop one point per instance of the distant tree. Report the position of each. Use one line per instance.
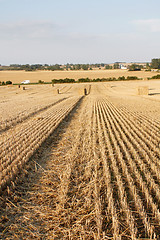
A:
(40, 81)
(155, 63)
(78, 66)
(116, 66)
(156, 77)
(66, 80)
(85, 66)
(121, 78)
(55, 67)
(108, 66)
(147, 66)
(67, 65)
(132, 78)
(15, 65)
(135, 67)
(8, 82)
(84, 80)
(97, 65)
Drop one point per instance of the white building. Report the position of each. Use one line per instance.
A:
(122, 66)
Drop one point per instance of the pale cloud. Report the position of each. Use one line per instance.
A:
(50, 42)
(151, 25)
(29, 30)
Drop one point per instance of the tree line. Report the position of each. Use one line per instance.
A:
(5, 83)
(154, 64)
(82, 80)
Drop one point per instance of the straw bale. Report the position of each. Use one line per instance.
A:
(82, 91)
(56, 91)
(142, 90)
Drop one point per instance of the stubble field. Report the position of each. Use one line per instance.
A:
(47, 76)
(80, 167)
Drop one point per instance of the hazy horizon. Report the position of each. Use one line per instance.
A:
(78, 32)
(64, 64)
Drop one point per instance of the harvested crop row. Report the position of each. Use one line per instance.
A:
(77, 211)
(140, 140)
(122, 154)
(16, 151)
(111, 210)
(100, 181)
(10, 122)
(120, 198)
(149, 125)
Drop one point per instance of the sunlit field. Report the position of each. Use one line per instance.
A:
(47, 76)
(76, 166)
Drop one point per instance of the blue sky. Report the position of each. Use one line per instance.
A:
(49, 31)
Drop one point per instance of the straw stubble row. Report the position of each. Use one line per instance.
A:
(106, 181)
(17, 149)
